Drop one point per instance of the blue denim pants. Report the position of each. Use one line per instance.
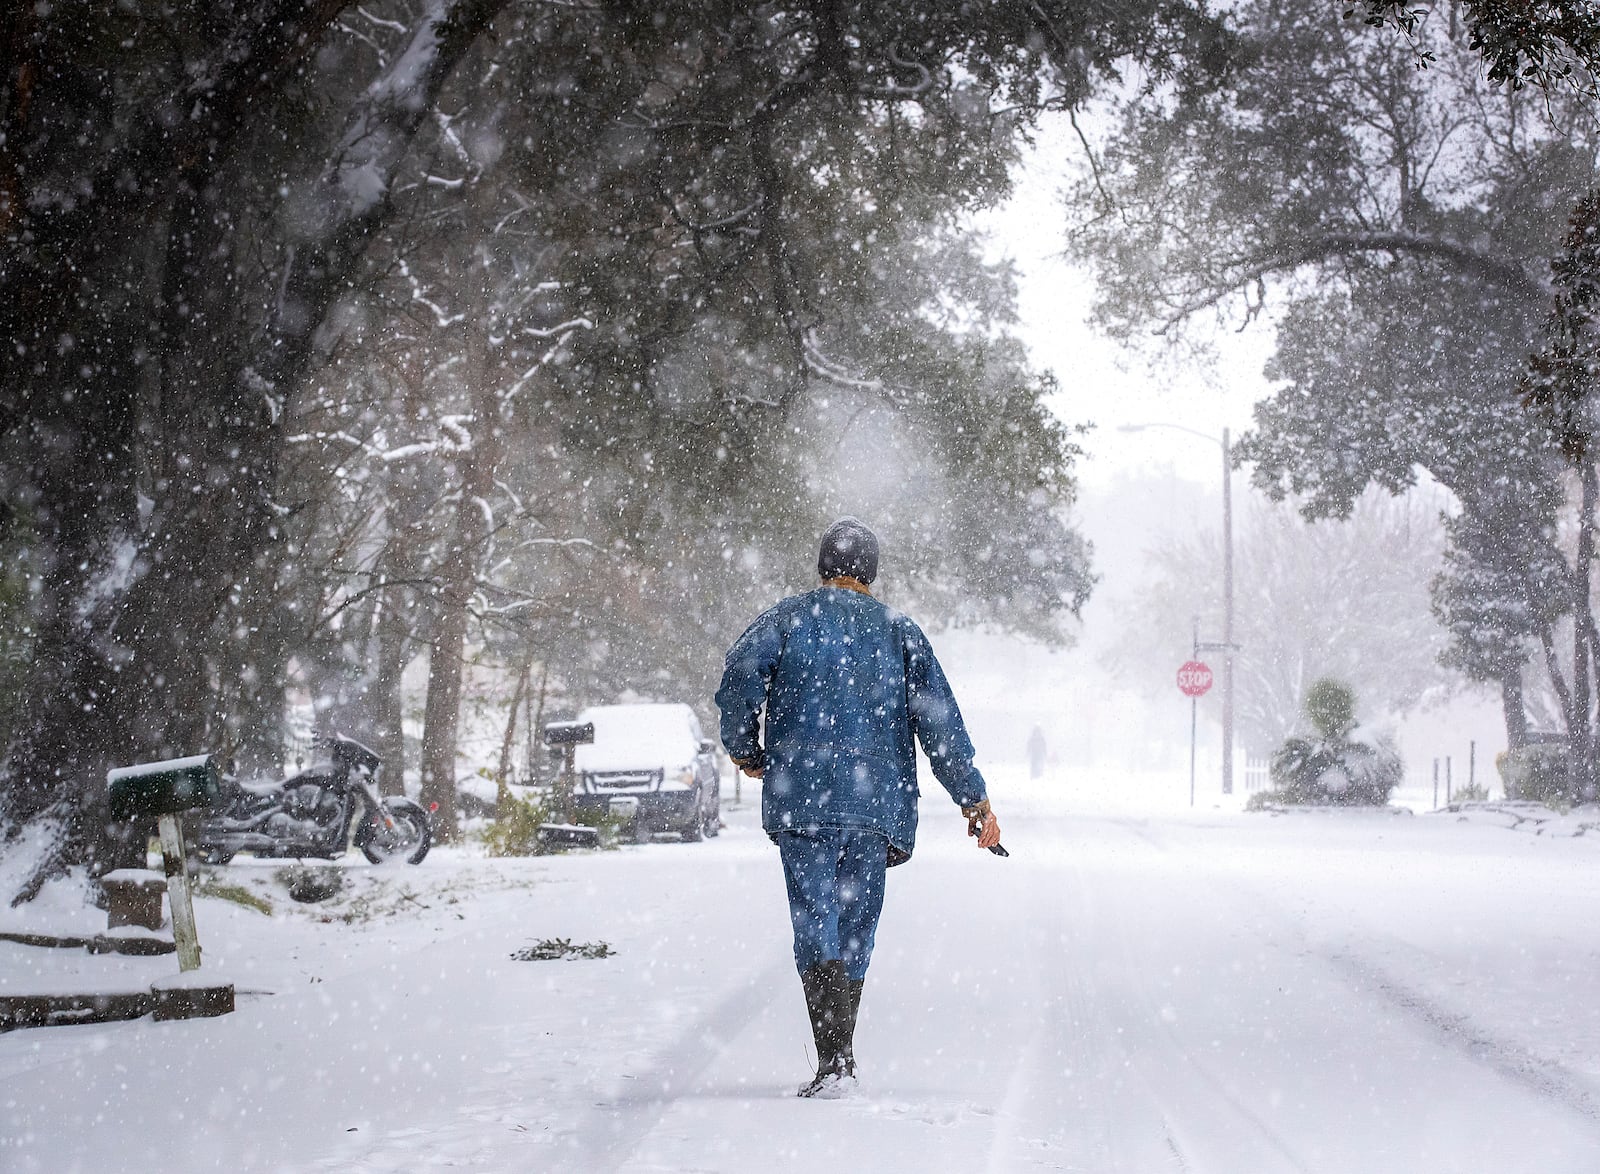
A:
(835, 882)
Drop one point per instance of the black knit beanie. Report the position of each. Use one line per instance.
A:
(849, 548)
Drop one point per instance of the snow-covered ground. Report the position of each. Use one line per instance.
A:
(1130, 991)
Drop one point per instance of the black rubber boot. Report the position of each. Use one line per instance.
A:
(827, 987)
(853, 1007)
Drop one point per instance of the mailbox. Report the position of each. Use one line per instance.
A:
(564, 738)
(568, 733)
(163, 788)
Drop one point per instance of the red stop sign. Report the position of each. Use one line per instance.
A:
(1194, 678)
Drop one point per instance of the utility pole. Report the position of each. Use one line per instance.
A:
(1226, 646)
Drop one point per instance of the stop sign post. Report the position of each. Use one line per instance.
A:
(1194, 678)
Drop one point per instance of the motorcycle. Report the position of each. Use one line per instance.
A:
(315, 812)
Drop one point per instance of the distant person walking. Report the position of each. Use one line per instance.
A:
(846, 683)
(1036, 753)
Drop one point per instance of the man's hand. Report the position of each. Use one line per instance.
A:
(989, 836)
(982, 823)
(752, 767)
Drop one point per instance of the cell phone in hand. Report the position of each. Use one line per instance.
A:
(998, 849)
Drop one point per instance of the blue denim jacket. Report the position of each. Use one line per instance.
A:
(847, 683)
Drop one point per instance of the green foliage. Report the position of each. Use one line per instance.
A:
(1543, 42)
(1562, 380)
(608, 823)
(1538, 773)
(1331, 707)
(1471, 793)
(1333, 768)
(514, 831)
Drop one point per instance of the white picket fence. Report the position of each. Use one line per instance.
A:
(1255, 774)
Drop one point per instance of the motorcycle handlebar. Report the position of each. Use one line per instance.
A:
(352, 753)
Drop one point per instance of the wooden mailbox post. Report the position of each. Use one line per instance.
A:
(568, 736)
(166, 790)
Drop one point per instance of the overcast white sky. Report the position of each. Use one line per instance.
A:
(1100, 382)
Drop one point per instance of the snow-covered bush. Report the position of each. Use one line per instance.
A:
(1538, 773)
(1331, 766)
(514, 831)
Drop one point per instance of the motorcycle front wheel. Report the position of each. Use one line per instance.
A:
(409, 839)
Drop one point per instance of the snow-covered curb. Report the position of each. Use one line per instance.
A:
(1325, 809)
(1522, 815)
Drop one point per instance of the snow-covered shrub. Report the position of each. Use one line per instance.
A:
(514, 831)
(1538, 773)
(1331, 766)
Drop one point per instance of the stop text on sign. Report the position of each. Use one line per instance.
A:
(1194, 678)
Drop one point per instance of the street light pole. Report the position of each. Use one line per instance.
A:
(1227, 617)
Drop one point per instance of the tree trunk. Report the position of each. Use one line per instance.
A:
(388, 702)
(442, 710)
(1581, 760)
(535, 720)
(405, 511)
(254, 676)
(502, 783)
(456, 578)
(1511, 703)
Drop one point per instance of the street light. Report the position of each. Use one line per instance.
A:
(1226, 646)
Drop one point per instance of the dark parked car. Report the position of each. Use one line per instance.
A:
(651, 765)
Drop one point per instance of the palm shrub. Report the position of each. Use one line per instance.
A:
(1331, 766)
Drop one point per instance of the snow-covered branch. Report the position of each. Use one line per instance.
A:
(562, 333)
(457, 427)
(728, 223)
(1335, 244)
(820, 365)
(418, 295)
(381, 125)
(457, 440)
(351, 195)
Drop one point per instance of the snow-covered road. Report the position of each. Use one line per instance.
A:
(1225, 993)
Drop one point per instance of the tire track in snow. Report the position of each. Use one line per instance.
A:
(1547, 1079)
(614, 1129)
(1543, 1077)
(1042, 1072)
(1077, 1100)
(1206, 1086)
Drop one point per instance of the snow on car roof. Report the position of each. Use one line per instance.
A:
(639, 737)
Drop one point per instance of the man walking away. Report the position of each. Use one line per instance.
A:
(847, 684)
